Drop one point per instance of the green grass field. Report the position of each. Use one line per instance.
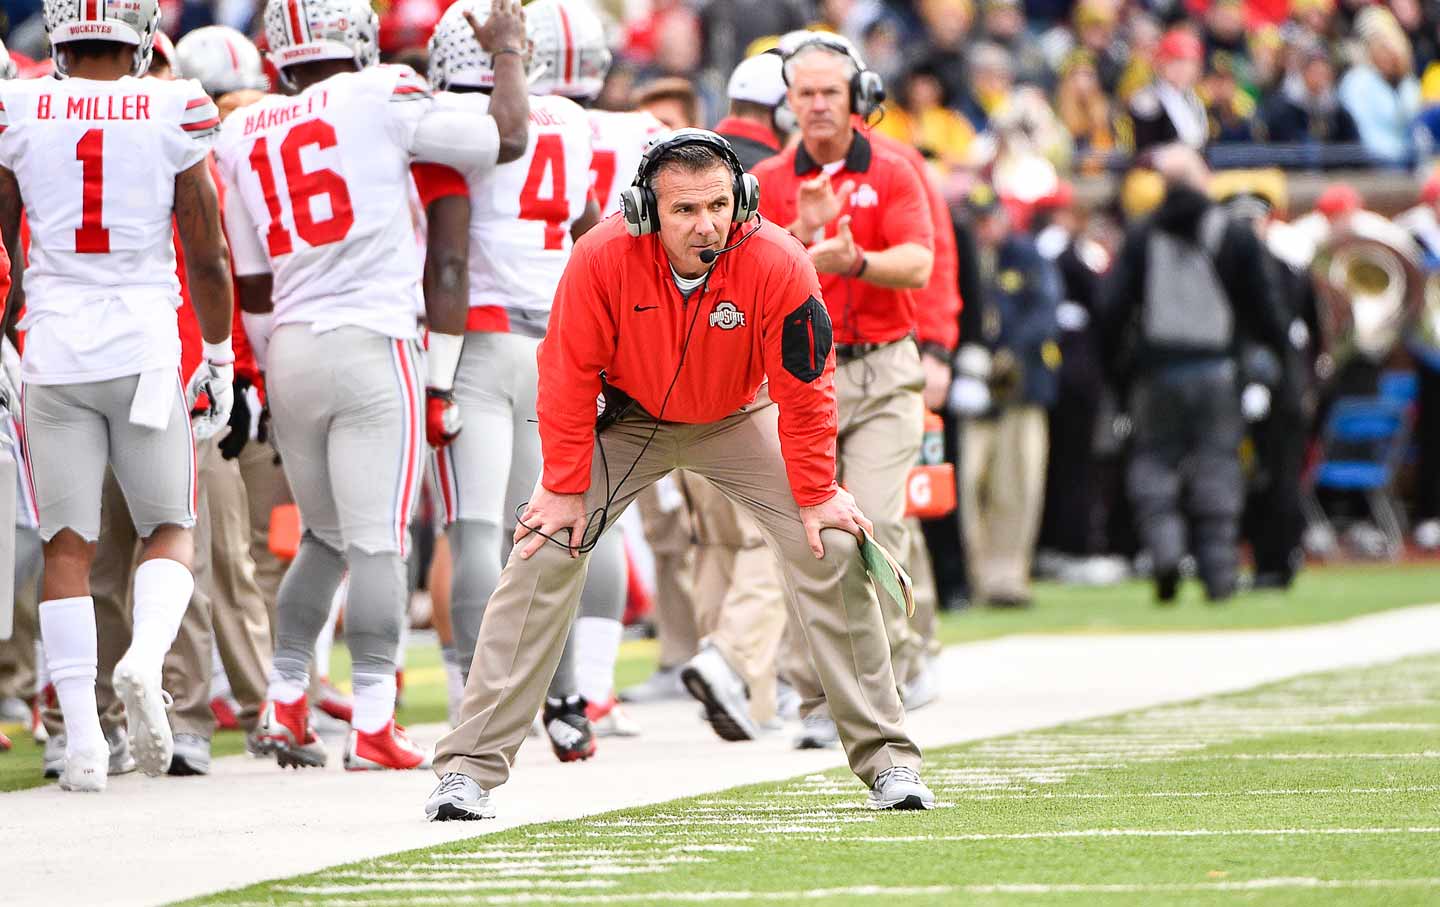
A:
(1319, 790)
(1320, 595)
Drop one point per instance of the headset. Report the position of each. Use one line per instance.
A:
(638, 204)
(867, 88)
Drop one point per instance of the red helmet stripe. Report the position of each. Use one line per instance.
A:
(234, 57)
(297, 32)
(92, 10)
(569, 44)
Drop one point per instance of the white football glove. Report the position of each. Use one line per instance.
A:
(1255, 402)
(217, 383)
(969, 396)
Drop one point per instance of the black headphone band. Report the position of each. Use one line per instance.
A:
(655, 154)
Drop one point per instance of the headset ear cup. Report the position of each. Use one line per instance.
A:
(632, 208)
(867, 92)
(750, 193)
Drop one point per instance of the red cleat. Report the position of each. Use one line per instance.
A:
(388, 748)
(4, 743)
(335, 703)
(284, 730)
(225, 717)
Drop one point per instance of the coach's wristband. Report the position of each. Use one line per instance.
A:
(222, 353)
(442, 359)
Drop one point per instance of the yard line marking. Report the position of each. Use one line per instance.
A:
(818, 894)
(1164, 794)
(1146, 833)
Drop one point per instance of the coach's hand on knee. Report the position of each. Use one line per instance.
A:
(546, 516)
(840, 512)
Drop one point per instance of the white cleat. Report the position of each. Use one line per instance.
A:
(151, 742)
(459, 797)
(900, 787)
(86, 771)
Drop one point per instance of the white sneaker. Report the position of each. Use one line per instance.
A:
(458, 797)
(121, 762)
(662, 686)
(85, 771)
(900, 787)
(922, 689)
(709, 678)
(818, 732)
(787, 701)
(1427, 535)
(149, 727)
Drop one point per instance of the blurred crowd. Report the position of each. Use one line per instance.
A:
(1084, 83)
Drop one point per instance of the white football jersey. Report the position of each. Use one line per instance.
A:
(319, 195)
(521, 212)
(96, 163)
(618, 139)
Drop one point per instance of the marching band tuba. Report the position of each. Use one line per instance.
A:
(1371, 293)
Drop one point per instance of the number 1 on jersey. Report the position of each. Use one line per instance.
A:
(92, 237)
(554, 210)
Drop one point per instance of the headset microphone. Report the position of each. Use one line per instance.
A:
(708, 256)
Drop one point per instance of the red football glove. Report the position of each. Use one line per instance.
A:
(442, 417)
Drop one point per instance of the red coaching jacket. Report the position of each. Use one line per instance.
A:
(617, 310)
(887, 207)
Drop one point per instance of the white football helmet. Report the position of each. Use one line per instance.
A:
(8, 69)
(569, 55)
(131, 22)
(456, 59)
(304, 31)
(221, 58)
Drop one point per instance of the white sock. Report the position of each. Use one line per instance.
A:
(597, 645)
(454, 682)
(374, 701)
(219, 681)
(68, 627)
(162, 593)
(282, 690)
(42, 671)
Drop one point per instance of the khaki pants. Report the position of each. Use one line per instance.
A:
(529, 616)
(1002, 488)
(671, 536)
(227, 606)
(739, 599)
(17, 654)
(882, 424)
(926, 622)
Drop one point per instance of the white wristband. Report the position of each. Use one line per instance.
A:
(222, 353)
(442, 359)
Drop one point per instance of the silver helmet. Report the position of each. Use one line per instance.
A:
(221, 59)
(133, 22)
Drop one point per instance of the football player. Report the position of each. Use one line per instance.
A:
(524, 217)
(101, 162)
(318, 211)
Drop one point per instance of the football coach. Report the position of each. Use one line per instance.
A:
(704, 328)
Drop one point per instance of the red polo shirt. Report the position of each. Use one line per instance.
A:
(937, 304)
(887, 207)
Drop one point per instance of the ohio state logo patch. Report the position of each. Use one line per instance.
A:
(726, 317)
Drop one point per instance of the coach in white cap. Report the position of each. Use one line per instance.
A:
(757, 91)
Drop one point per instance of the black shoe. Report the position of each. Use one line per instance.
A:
(1009, 602)
(1167, 585)
(571, 736)
(1272, 581)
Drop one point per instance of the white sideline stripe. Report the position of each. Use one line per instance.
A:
(816, 894)
(1148, 833)
(1164, 794)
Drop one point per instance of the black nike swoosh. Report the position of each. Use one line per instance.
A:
(645, 308)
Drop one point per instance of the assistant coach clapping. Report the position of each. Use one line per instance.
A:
(686, 306)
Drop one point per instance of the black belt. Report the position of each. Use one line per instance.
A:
(849, 352)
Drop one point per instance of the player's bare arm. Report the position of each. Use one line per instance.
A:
(446, 279)
(207, 258)
(589, 218)
(503, 37)
(11, 206)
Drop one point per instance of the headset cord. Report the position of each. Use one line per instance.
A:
(601, 515)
